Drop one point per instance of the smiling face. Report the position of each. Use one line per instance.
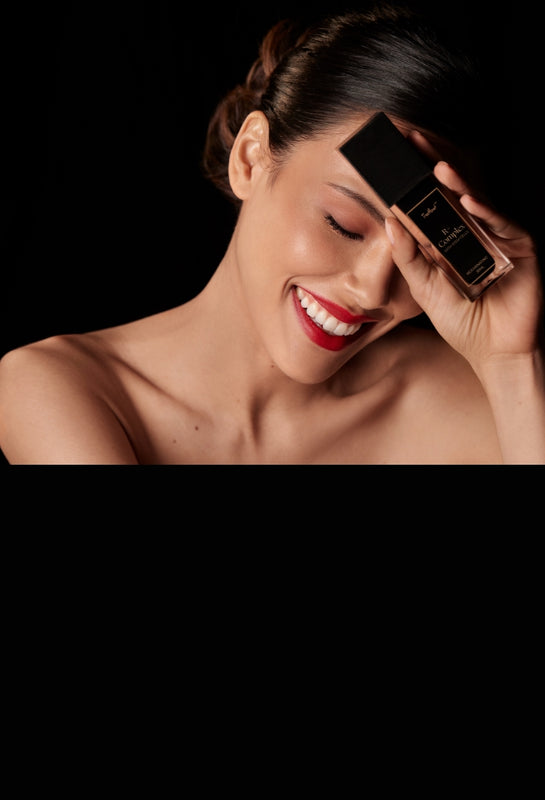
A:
(312, 255)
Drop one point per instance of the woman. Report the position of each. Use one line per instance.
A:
(297, 351)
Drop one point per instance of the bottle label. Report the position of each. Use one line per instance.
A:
(443, 226)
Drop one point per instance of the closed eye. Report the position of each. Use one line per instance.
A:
(343, 232)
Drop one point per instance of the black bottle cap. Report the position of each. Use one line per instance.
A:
(389, 163)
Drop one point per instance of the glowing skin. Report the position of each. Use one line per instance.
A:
(289, 354)
(324, 234)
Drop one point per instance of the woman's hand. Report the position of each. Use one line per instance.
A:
(506, 320)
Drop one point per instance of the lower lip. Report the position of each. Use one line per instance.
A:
(317, 334)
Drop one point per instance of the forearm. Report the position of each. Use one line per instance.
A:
(515, 387)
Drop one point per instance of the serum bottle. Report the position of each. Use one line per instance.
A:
(444, 230)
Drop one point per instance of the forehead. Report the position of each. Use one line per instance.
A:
(322, 153)
(312, 163)
(319, 158)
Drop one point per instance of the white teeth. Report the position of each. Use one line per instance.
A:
(323, 318)
(343, 329)
(331, 324)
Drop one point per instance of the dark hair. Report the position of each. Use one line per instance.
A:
(385, 59)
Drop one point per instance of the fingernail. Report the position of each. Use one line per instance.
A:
(389, 231)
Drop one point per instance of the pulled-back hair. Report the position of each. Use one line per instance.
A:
(305, 81)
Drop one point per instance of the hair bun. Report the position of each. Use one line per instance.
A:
(243, 99)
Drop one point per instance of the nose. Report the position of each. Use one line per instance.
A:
(370, 276)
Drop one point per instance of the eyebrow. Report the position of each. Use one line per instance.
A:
(359, 198)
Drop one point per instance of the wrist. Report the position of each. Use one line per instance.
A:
(515, 371)
(515, 387)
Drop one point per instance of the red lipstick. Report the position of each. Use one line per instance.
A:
(317, 334)
(338, 311)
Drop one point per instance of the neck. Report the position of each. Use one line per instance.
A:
(240, 377)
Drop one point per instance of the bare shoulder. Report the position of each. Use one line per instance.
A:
(91, 398)
(434, 368)
(447, 403)
(442, 414)
(420, 355)
(54, 405)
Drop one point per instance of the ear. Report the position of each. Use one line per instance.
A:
(249, 154)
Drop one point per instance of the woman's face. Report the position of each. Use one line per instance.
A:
(315, 263)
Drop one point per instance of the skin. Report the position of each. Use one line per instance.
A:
(232, 376)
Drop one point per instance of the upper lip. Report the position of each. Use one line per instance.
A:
(338, 311)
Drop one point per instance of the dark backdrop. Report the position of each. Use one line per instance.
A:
(105, 216)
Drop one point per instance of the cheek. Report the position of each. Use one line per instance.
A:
(303, 250)
(282, 236)
(300, 241)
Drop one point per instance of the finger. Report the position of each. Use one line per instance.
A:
(426, 282)
(452, 179)
(495, 222)
(498, 224)
(425, 146)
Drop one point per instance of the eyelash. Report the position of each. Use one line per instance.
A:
(332, 222)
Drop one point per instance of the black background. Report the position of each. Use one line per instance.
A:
(104, 214)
